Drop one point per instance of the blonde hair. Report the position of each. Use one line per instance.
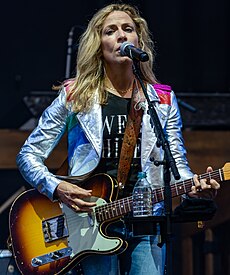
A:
(90, 70)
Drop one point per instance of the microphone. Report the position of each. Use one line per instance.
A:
(128, 49)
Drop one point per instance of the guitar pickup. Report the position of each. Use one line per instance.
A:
(51, 257)
(55, 228)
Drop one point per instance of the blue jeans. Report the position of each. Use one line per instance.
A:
(142, 257)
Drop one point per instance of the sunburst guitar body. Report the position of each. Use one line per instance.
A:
(50, 238)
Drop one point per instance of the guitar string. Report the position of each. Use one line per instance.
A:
(174, 187)
(187, 184)
(105, 210)
(113, 205)
(128, 201)
(121, 206)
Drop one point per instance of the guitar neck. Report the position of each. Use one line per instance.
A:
(124, 206)
(185, 186)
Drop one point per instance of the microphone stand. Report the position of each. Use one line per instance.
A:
(168, 164)
(69, 52)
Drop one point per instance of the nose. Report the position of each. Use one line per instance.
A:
(121, 37)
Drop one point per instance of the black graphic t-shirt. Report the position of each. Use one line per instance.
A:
(115, 115)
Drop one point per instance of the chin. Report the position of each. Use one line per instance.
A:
(121, 60)
(125, 59)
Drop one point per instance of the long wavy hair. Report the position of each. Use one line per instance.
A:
(89, 63)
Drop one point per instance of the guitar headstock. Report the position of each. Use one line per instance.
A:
(226, 171)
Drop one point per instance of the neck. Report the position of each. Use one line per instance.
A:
(120, 83)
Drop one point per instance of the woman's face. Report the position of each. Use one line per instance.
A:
(117, 28)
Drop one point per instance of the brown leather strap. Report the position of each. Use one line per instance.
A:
(132, 131)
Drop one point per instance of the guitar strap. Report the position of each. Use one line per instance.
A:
(132, 131)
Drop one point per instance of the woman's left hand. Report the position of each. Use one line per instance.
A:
(204, 188)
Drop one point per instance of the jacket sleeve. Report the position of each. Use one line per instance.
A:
(175, 139)
(39, 145)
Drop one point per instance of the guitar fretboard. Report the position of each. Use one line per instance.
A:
(124, 206)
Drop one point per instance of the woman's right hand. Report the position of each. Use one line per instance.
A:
(73, 195)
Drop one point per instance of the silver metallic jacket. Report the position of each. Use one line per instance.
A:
(85, 139)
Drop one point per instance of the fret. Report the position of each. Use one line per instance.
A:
(180, 189)
(186, 187)
(130, 203)
(162, 192)
(185, 191)
(124, 209)
(118, 208)
(121, 207)
(108, 212)
(176, 189)
(105, 215)
(127, 203)
(100, 216)
(115, 210)
(190, 185)
(154, 195)
(112, 210)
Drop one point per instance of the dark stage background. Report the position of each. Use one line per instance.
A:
(192, 43)
(191, 38)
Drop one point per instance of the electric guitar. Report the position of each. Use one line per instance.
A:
(50, 238)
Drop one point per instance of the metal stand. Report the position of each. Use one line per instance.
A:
(168, 165)
(69, 52)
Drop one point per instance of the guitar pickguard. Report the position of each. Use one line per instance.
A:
(85, 232)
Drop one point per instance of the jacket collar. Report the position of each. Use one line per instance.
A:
(92, 125)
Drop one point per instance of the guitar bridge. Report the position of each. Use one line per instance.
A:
(51, 257)
(55, 228)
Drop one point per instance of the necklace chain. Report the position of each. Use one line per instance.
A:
(119, 91)
(110, 87)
